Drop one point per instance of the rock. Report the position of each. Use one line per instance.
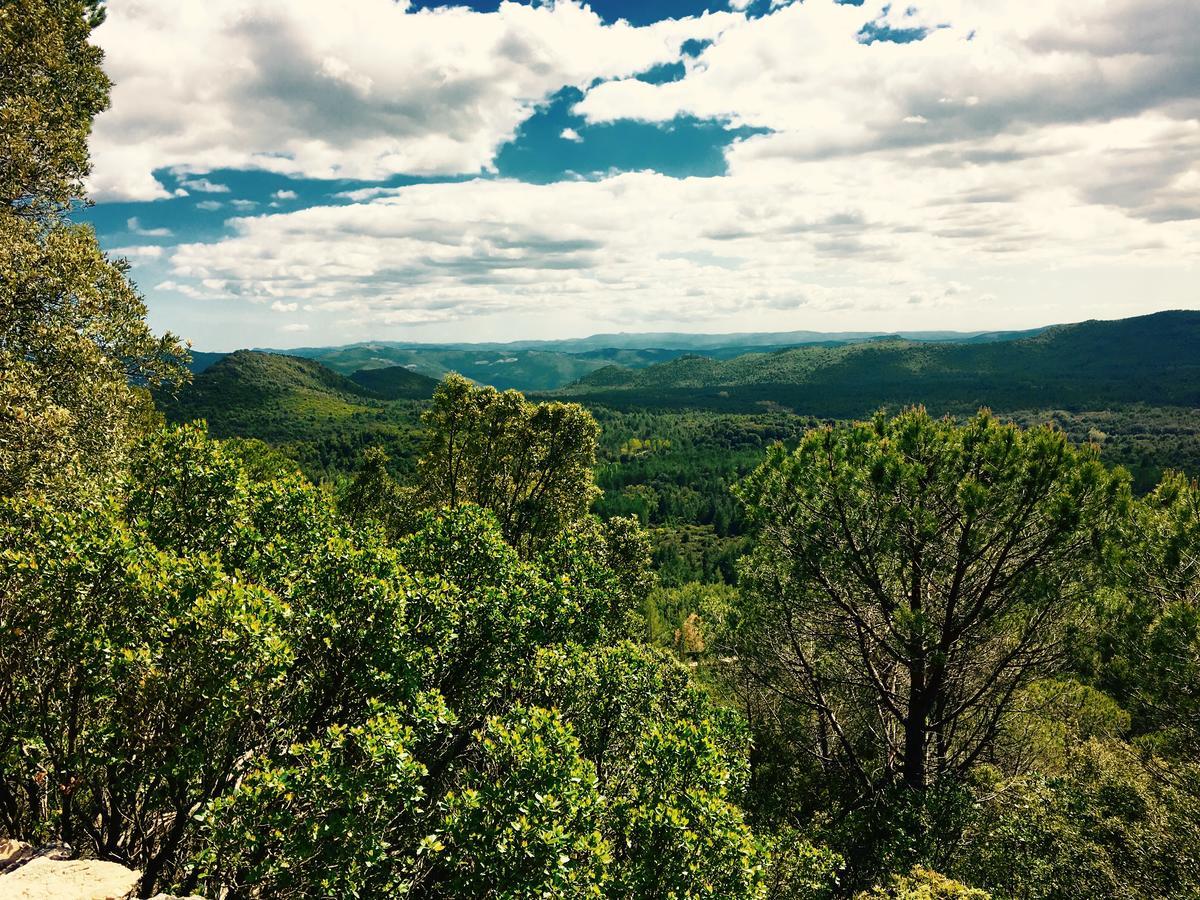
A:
(13, 853)
(46, 878)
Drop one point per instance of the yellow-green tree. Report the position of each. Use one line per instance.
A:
(529, 463)
(75, 351)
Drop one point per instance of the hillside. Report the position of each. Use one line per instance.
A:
(1092, 365)
(547, 365)
(720, 344)
(396, 383)
(532, 370)
(201, 360)
(312, 414)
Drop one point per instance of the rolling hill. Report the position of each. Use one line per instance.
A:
(547, 365)
(270, 396)
(1151, 359)
(529, 370)
(395, 383)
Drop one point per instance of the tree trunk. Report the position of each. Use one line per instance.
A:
(913, 769)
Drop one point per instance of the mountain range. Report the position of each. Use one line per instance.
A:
(546, 365)
(1151, 359)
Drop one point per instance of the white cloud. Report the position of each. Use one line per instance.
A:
(135, 226)
(570, 134)
(204, 186)
(839, 243)
(209, 205)
(987, 68)
(295, 327)
(1028, 163)
(243, 204)
(284, 195)
(149, 251)
(360, 89)
(280, 306)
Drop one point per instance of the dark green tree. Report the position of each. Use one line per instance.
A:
(911, 576)
(1150, 638)
(529, 463)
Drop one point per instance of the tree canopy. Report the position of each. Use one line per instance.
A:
(75, 349)
(911, 576)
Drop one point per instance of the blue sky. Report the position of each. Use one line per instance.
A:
(284, 173)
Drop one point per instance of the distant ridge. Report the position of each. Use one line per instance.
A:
(396, 383)
(266, 395)
(1152, 359)
(547, 365)
(673, 340)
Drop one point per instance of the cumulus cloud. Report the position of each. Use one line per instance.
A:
(1023, 163)
(362, 89)
(832, 241)
(147, 251)
(284, 195)
(134, 225)
(204, 186)
(994, 77)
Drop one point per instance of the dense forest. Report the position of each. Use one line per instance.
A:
(1090, 365)
(281, 632)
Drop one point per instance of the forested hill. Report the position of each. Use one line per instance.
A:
(289, 401)
(1151, 359)
(548, 365)
(396, 383)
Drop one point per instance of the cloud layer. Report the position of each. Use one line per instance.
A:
(360, 89)
(1018, 164)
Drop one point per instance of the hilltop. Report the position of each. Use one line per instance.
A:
(396, 383)
(1151, 359)
(548, 365)
(318, 417)
(264, 382)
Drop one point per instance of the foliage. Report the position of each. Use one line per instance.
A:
(72, 327)
(1150, 641)
(682, 837)
(372, 495)
(691, 619)
(923, 884)
(322, 819)
(676, 832)
(51, 87)
(910, 577)
(1104, 827)
(72, 335)
(210, 647)
(526, 822)
(134, 679)
(799, 870)
(531, 464)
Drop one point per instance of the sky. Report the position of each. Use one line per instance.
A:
(298, 172)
